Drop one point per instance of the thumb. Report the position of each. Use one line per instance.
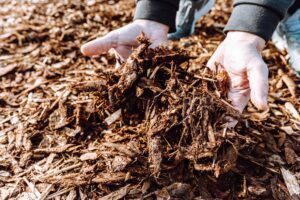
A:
(258, 82)
(100, 45)
(217, 57)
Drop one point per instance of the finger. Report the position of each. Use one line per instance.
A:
(157, 43)
(121, 54)
(124, 52)
(100, 45)
(217, 57)
(239, 98)
(239, 90)
(258, 80)
(239, 94)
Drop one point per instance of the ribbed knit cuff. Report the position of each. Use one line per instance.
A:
(254, 19)
(157, 11)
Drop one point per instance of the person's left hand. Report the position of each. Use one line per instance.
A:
(240, 55)
(123, 40)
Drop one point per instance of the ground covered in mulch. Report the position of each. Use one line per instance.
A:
(73, 127)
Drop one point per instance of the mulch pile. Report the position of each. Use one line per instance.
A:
(73, 127)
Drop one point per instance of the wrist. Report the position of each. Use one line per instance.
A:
(246, 38)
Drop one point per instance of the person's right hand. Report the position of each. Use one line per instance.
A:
(123, 40)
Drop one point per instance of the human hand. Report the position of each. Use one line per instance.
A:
(123, 40)
(240, 55)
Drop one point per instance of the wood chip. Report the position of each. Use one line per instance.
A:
(89, 156)
(291, 183)
(290, 84)
(7, 69)
(113, 117)
(116, 195)
(292, 110)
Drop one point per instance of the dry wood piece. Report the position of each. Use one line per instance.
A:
(119, 194)
(291, 183)
(89, 156)
(113, 117)
(290, 83)
(7, 69)
(292, 110)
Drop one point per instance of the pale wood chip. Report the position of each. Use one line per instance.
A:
(89, 156)
(291, 183)
(113, 117)
(292, 110)
(5, 70)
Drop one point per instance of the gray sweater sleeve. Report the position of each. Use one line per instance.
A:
(259, 17)
(163, 11)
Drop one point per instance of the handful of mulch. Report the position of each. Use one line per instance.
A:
(147, 129)
(181, 117)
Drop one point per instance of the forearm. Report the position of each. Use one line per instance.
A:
(259, 17)
(162, 11)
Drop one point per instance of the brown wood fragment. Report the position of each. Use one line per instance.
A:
(155, 155)
(290, 155)
(116, 195)
(89, 156)
(109, 177)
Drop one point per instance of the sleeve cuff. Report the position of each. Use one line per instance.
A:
(254, 19)
(157, 11)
